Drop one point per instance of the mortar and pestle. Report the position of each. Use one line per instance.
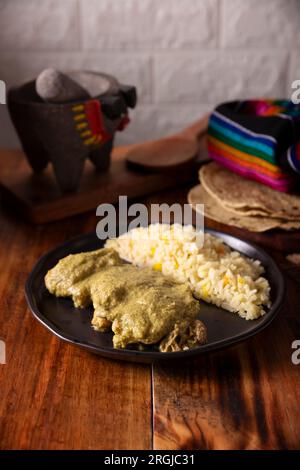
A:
(65, 118)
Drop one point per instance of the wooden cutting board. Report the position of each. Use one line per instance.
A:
(38, 198)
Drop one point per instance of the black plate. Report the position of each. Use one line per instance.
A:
(73, 325)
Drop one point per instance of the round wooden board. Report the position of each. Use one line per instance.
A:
(162, 155)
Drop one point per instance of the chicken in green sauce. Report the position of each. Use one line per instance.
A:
(140, 305)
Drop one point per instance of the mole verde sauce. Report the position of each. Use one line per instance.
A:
(140, 305)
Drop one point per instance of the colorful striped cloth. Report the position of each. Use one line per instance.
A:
(259, 139)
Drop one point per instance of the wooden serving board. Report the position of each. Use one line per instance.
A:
(39, 200)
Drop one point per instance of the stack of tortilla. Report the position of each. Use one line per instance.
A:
(233, 200)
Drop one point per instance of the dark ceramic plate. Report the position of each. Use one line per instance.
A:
(73, 325)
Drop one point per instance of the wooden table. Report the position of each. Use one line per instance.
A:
(56, 396)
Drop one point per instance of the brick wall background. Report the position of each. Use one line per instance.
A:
(183, 55)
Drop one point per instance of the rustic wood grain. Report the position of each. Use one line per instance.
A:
(245, 397)
(54, 395)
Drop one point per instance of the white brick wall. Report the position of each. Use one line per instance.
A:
(183, 55)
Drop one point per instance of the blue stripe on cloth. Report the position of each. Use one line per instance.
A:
(238, 137)
(231, 125)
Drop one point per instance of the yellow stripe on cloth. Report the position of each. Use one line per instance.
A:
(244, 156)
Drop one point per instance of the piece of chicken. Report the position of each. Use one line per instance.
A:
(140, 305)
(69, 275)
(184, 335)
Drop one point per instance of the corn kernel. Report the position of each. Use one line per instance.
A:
(157, 266)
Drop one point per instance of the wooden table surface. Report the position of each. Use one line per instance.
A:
(56, 396)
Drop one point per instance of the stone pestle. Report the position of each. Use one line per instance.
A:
(54, 86)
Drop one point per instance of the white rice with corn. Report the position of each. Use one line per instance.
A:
(214, 272)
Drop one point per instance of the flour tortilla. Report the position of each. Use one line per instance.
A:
(213, 210)
(247, 197)
(290, 225)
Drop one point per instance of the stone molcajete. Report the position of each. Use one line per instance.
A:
(66, 118)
